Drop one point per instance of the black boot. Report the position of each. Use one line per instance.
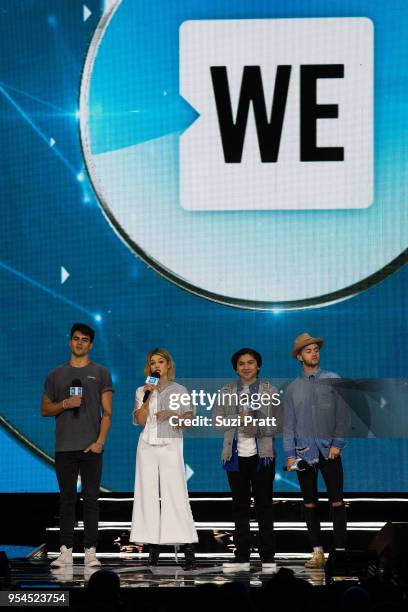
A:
(189, 556)
(154, 552)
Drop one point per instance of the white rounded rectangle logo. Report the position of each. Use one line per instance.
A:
(285, 114)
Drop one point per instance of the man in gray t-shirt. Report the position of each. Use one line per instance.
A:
(79, 395)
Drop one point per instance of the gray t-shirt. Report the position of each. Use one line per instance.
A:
(72, 433)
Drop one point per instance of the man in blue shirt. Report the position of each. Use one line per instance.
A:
(316, 421)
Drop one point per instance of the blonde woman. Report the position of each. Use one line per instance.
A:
(161, 508)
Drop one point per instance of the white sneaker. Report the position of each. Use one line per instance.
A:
(65, 557)
(269, 568)
(235, 566)
(90, 557)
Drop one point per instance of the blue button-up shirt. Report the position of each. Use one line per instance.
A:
(315, 416)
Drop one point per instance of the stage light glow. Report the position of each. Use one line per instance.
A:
(35, 127)
(52, 21)
(44, 288)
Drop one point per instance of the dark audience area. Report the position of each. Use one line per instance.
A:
(282, 592)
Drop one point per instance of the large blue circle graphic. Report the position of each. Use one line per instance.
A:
(135, 123)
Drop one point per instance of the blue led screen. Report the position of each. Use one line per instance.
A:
(121, 208)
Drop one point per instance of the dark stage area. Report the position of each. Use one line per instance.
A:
(167, 586)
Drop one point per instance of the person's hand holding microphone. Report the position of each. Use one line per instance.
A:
(71, 402)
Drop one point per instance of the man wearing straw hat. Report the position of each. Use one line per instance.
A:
(315, 422)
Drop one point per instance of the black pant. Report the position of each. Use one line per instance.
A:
(332, 472)
(68, 466)
(262, 488)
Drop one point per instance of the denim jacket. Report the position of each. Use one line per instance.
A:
(264, 434)
(315, 416)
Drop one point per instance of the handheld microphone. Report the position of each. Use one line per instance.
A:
(151, 380)
(76, 389)
(299, 465)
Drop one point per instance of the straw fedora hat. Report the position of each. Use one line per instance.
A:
(304, 340)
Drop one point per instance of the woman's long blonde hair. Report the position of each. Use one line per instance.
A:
(171, 372)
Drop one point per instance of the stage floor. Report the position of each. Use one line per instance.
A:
(31, 574)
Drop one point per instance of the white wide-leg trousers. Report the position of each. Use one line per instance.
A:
(160, 473)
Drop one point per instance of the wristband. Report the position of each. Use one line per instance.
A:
(63, 404)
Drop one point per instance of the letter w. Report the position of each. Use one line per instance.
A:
(233, 133)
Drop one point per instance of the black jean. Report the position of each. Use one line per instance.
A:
(332, 472)
(261, 482)
(68, 466)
